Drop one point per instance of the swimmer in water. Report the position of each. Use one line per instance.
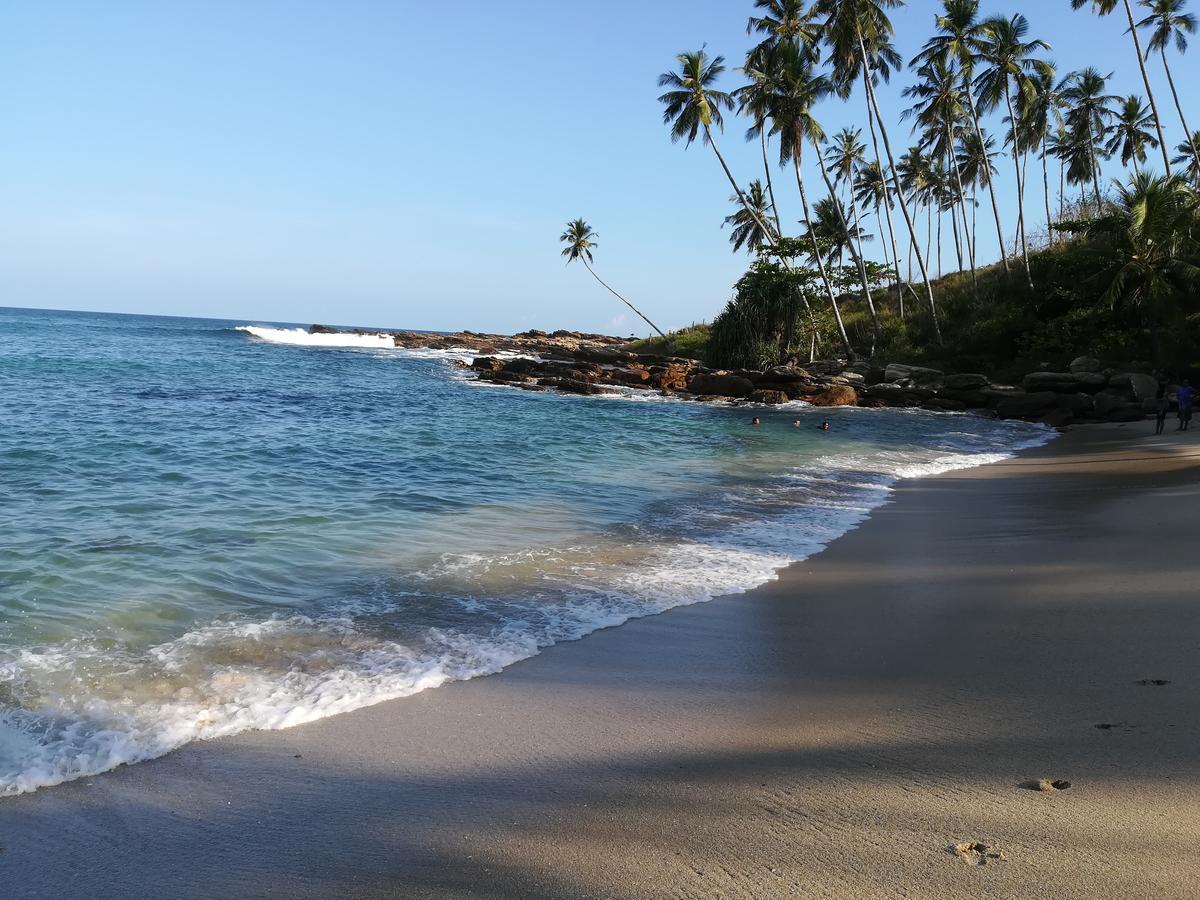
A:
(825, 425)
(755, 422)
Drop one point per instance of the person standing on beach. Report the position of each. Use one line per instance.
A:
(1160, 410)
(1183, 397)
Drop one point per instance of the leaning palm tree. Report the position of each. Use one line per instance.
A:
(1103, 8)
(1171, 24)
(1189, 160)
(580, 241)
(1090, 112)
(859, 35)
(1129, 134)
(1009, 63)
(693, 108)
(958, 43)
(747, 232)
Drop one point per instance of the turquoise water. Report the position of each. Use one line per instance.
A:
(202, 531)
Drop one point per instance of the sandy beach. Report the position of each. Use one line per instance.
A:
(829, 735)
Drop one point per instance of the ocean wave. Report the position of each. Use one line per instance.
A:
(301, 337)
(82, 708)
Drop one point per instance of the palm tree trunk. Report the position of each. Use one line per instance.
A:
(762, 133)
(767, 229)
(868, 75)
(1095, 167)
(1046, 196)
(987, 174)
(939, 242)
(862, 269)
(837, 312)
(974, 225)
(1187, 132)
(1062, 187)
(1012, 117)
(887, 205)
(619, 297)
(1137, 46)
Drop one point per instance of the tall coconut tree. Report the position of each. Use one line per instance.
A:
(830, 228)
(1090, 110)
(1039, 111)
(1008, 61)
(1103, 8)
(798, 88)
(958, 42)
(785, 22)
(870, 189)
(1058, 145)
(975, 157)
(1130, 133)
(693, 109)
(846, 158)
(752, 102)
(859, 36)
(1188, 160)
(580, 241)
(1168, 23)
(747, 232)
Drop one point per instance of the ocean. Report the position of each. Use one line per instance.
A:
(211, 526)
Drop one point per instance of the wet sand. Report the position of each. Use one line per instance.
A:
(829, 735)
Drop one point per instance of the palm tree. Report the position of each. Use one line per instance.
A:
(846, 157)
(753, 99)
(1148, 242)
(974, 157)
(870, 188)
(859, 36)
(1037, 108)
(1058, 145)
(581, 241)
(1171, 24)
(829, 227)
(1188, 159)
(1089, 113)
(1103, 8)
(797, 89)
(785, 22)
(1010, 62)
(693, 107)
(1129, 133)
(747, 232)
(958, 43)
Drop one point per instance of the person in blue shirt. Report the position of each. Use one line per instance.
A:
(1184, 397)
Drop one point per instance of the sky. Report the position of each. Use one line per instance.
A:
(406, 164)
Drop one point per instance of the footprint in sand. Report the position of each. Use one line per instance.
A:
(975, 853)
(1047, 786)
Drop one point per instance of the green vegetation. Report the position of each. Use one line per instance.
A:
(690, 342)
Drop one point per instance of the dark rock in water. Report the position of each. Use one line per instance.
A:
(772, 397)
(721, 385)
(971, 399)
(834, 395)
(1058, 417)
(784, 374)
(487, 364)
(604, 355)
(1084, 364)
(522, 366)
(321, 329)
(965, 382)
(917, 375)
(1018, 406)
(571, 386)
(943, 404)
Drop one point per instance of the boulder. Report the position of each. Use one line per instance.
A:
(487, 364)
(604, 355)
(833, 395)
(1105, 403)
(721, 385)
(918, 375)
(1064, 382)
(969, 399)
(1057, 418)
(964, 382)
(1137, 384)
(784, 374)
(761, 396)
(1020, 406)
(898, 392)
(522, 366)
(321, 329)
(943, 404)
(1084, 364)
(634, 376)
(571, 386)
(1075, 403)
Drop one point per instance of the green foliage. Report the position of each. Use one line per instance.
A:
(690, 342)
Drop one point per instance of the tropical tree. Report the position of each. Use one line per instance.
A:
(975, 157)
(958, 43)
(1090, 110)
(747, 232)
(870, 189)
(693, 108)
(1188, 159)
(1129, 133)
(1103, 8)
(785, 22)
(846, 158)
(1146, 245)
(1009, 62)
(829, 227)
(1039, 108)
(858, 33)
(580, 241)
(1168, 23)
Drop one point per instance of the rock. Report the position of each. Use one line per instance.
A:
(571, 386)
(321, 329)
(1084, 364)
(784, 374)
(604, 355)
(487, 364)
(943, 404)
(969, 399)
(854, 379)
(964, 382)
(522, 366)
(634, 376)
(898, 394)
(761, 396)
(1104, 403)
(1140, 385)
(918, 375)
(1063, 382)
(1020, 406)
(503, 377)
(1058, 417)
(1075, 403)
(833, 395)
(721, 385)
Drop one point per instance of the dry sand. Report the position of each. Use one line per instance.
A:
(834, 734)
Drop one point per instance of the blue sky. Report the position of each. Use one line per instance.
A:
(396, 163)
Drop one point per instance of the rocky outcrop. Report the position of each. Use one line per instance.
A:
(720, 384)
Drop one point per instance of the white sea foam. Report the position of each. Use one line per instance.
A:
(301, 337)
(84, 708)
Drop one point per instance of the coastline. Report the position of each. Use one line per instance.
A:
(831, 732)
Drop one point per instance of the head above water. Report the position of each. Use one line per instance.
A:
(755, 421)
(825, 425)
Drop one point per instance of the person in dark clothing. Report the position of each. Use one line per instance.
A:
(1184, 397)
(1162, 404)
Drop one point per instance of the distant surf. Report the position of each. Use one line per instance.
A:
(301, 337)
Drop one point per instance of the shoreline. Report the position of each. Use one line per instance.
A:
(760, 744)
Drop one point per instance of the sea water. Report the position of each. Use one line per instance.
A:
(211, 526)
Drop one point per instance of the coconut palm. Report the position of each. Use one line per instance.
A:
(783, 22)
(1129, 133)
(747, 232)
(1170, 24)
(1188, 159)
(859, 34)
(1039, 109)
(693, 108)
(1103, 8)
(975, 157)
(1008, 62)
(958, 43)
(870, 189)
(1090, 110)
(846, 157)
(830, 228)
(580, 241)
(753, 100)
